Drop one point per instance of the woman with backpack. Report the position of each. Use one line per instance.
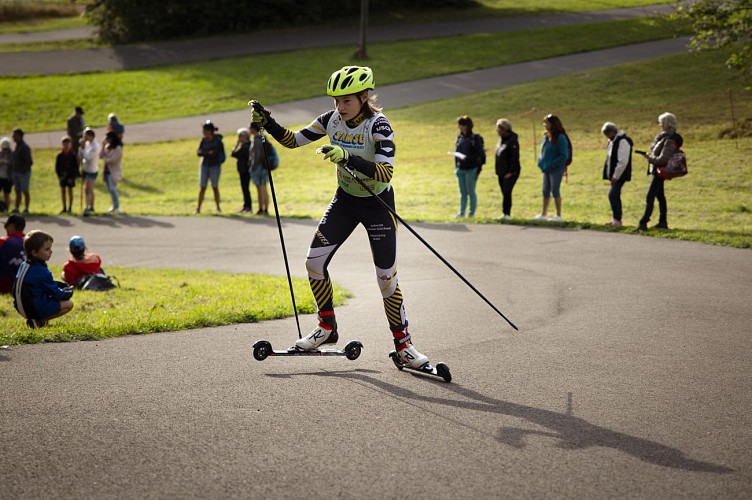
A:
(469, 158)
(554, 154)
(665, 144)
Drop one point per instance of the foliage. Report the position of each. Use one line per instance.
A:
(722, 24)
(124, 21)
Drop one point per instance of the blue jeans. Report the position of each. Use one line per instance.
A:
(614, 197)
(552, 182)
(112, 187)
(467, 179)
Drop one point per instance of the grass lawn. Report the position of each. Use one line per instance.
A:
(164, 300)
(711, 204)
(44, 102)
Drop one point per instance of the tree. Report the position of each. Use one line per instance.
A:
(722, 24)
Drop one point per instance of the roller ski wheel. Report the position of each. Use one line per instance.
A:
(262, 349)
(440, 370)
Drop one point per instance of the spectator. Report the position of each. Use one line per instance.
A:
(66, 168)
(37, 296)
(259, 175)
(240, 153)
(89, 154)
(469, 158)
(211, 149)
(507, 163)
(112, 153)
(114, 125)
(75, 127)
(552, 162)
(6, 167)
(11, 251)
(81, 263)
(618, 167)
(21, 173)
(665, 144)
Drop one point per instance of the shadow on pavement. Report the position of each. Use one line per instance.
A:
(572, 432)
(124, 221)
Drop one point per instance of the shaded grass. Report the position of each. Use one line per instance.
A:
(44, 102)
(157, 300)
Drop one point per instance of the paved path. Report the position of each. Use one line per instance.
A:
(629, 376)
(159, 54)
(392, 96)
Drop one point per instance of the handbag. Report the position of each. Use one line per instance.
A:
(676, 166)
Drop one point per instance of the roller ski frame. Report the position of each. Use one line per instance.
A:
(263, 349)
(440, 370)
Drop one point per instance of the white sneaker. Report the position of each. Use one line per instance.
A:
(323, 334)
(555, 218)
(507, 217)
(539, 217)
(410, 356)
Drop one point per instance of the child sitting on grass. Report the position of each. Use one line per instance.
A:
(37, 296)
(81, 263)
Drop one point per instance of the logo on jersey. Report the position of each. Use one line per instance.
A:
(353, 141)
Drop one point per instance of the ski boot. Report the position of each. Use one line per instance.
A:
(405, 356)
(324, 333)
(408, 354)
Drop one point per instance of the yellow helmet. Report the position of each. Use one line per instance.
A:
(350, 80)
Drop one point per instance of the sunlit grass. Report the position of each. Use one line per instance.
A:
(164, 300)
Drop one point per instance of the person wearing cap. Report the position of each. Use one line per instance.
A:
(211, 149)
(21, 173)
(6, 167)
(11, 251)
(89, 155)
(66, 168)
(81, 263)
(75, 127)
(361, 144)
(240, 153)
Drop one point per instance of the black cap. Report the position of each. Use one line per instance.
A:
(19, 132)
(79, 110)
(17, 220)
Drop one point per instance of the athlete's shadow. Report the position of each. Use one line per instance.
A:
(572, 432)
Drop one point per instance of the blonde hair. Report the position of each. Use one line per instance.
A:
(668, 119)
(504, 123)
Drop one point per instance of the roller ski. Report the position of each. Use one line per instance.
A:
(324, 333)
(406, 356)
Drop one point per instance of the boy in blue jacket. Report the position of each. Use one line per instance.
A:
(37, 296)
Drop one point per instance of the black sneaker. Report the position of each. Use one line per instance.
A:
(661, 225)
(641, 227)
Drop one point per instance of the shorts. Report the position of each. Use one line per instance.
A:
(68, 182)
(91, 176)
(6, 185)
(21, 182)
(207, 173)
(259, 176)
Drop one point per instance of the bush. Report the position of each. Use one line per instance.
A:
(127, 21)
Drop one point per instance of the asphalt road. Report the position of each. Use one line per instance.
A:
(629, 378)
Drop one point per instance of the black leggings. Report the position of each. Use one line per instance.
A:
(341, 218)
(655, 191)
(506, 186)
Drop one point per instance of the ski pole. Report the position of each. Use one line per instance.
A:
(279, 225)
(325, 149)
